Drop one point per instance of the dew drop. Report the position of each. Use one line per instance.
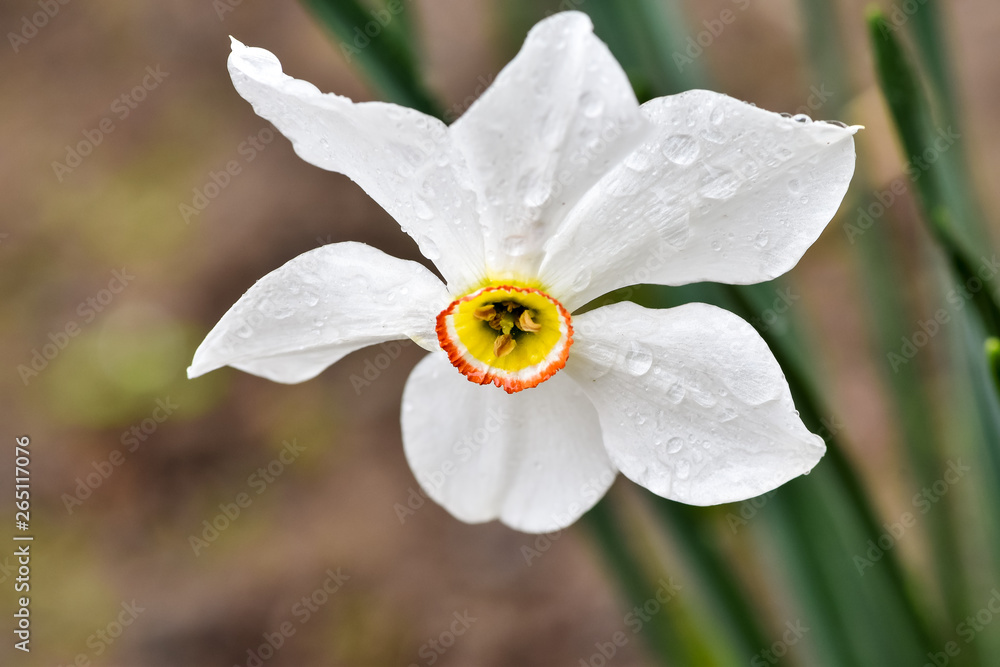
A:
(422, 208)
(429, 248)
(681, 149)
(703, 398)
(639, 160)
(675, 393)
(638, 360)
(674, 445)
(760, 240)
(591, 105)
(717, 116)
(538, 193)
(582, 281)
(801, 118)
(720, 184)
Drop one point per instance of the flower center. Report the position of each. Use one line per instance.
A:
(513, 337)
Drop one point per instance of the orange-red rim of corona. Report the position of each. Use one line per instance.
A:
(469, 341)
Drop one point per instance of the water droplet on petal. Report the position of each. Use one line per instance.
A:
(717, 116)
(422, 208)
(720, 184)
(638, 359)
(428, 248)
(582, 281)
(639, 160)
(681, 149)
(674, 445)
(538, 192)
(591, 105)
(760, 240)
(675, 393)
(801, 118)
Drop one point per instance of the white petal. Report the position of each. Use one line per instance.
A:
(320, 306)
(723, 192)
(533, 459)
(402, 158)
(693, 406)
(556, 119)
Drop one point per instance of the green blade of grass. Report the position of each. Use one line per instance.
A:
(913, 398)
(991, 348)
(660, 635)
(914, 122)
(927, 28)
(910, 394)
(643, 39)
(809, 404)
(859, 501)
(726, 594)
(384, 54)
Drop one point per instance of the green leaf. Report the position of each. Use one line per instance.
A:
(382, 46)
(658, 632)
(914, 122)
(726, 595)
(992, 351)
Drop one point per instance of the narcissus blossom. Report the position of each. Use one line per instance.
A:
(553, 189)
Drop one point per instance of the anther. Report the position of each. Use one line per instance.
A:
(504, 345)
(525, 323)
(485, 312)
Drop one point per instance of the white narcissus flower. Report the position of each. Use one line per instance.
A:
(554, 188)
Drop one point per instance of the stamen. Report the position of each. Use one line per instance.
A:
(485, 313)
(525, 323)
(504, 345)
(511, 336)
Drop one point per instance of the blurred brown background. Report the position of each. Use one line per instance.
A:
(406, 580)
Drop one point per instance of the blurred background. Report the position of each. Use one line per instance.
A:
(228, 520)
